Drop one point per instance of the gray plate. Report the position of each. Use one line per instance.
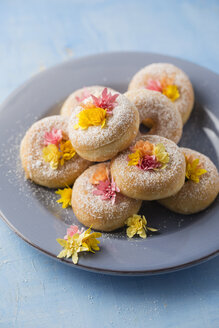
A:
(32, 212)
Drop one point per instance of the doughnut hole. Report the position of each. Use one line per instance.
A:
(157, 113)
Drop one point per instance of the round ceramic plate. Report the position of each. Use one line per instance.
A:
(32, 212)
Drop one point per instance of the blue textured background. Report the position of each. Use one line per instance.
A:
(36, 291)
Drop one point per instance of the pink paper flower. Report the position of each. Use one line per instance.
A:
(107, 190)
(106, 101)
(52, 137)
(84, 95)
(72, 230)
(154, 85)
(149, 163)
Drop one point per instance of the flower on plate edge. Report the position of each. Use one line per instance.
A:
(79, 242)
(137, 225)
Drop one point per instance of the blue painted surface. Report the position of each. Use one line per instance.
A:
(36, 291)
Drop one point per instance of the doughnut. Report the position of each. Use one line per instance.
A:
(105, 210)
(150, 169)
(158, 113)
(101, 127)
(169, 80)
(47, 155)
(199, 191)
(78, 96)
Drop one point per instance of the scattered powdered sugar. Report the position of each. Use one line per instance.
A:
(25, 189)
(123, 116)
(10, 162)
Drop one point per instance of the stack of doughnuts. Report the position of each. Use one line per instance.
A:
(95, 145)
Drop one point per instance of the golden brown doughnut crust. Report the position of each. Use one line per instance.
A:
(154, 184)
(100, 144)
(39, 171)
(71, 102)
(195, 197)
(101, 214)
(156, 71)
(166, 119)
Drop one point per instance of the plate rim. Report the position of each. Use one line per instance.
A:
(107, 271)
(68, 61)
(81, 266)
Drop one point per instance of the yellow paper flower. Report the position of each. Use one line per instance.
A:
(137, 224)
(161, 154)
(65, 196)
(134, 157)
(91, 116)
(72, 246)
(67, 151)
(52, 155)
(90, 242)
(193, 169)
(172, 92)
(84, 242)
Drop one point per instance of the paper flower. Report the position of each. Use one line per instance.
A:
(145, 147)
(149, 163)
(154, 85)
(193, 169)
(161, 154)
(55, 154)
(72, 230)
(90, 242)
(79, 242)
(172, 92)
(137, 225)
(52, 137)
(65, 196)
(106, 101)
(134, 158)
(52, 155)
(165, 86)
(72, 246)
(101, 174)
(148, 156)
(107, 190)
(91, 116)
(67, 151)
(84, 95)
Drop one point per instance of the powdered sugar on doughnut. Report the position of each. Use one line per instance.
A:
(195, 197)
(157, 71)
(154, 105)
(72, 101)
(94, 205)
(210, 179)
(124, 114)
(31, 151)
(156, 180)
